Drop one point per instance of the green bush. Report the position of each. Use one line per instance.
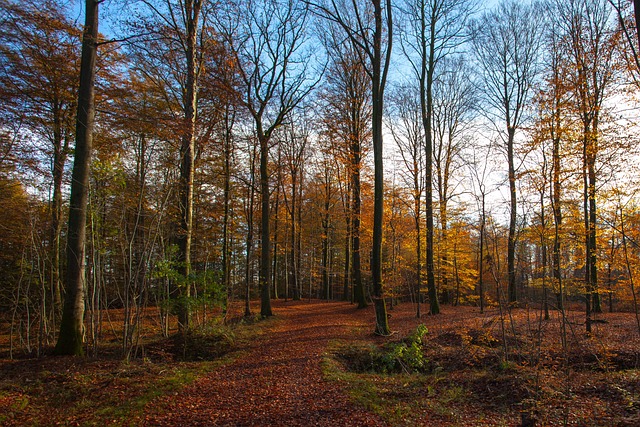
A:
(396, 357)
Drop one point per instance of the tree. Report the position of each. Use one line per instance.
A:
(591, 44)
(375, 56)
(295, 142)
(453, 112)
(436, 28)
(506, 42)
(173, 43)
(266, 40)
(553, 110)
(409, 136)
(348, 97)
(71, 325)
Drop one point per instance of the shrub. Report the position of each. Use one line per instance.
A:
(404, 356)
(205, 343)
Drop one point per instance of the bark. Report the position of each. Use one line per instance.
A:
(511, 245)
(71, 327)
(426, 105)
(187, 166)
(636, 10)
(276, 209)
(347, 249)
(226, 248)
(265, 254)
(325, 244)
(557, 211)
(481, 260)
(60, 149)
(379, 74)
(417, 218)
(293, 263)
(249, 241)
(356, 267)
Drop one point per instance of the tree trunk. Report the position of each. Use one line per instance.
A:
(325, 238)
(378, 83)
(265, 256)
(511, 246)
(249, 243)
(71, 326)
(426, 105)
(187, 165)
(356, 201)
(293, 272)
(557, 217)
(347, 249)
(60, 149)
(636, 9)
(226, 249)
(481, 260)
(276, 208)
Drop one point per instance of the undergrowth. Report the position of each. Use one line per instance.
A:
(108, 391)
(405, 356)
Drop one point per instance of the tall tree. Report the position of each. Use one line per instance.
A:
(553, 109)
(170, 48)
(266, 39)
(348, 118)
(436, 28)
(407, 129)
(371, 31)
(295, 142)
(71, 325)
(506, 42)
(591, 44)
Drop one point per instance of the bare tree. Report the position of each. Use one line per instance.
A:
(370, 30)
(348, 118)
(435, 29)
(266, 39)
(506, 42)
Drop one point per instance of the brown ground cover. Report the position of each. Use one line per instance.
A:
(482, 369)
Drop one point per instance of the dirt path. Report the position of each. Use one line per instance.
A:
(278, 382)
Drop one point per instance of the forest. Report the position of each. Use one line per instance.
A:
(168, 165)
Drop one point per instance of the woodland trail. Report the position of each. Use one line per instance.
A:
(278, 381)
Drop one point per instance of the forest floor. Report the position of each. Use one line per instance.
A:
(318, 364)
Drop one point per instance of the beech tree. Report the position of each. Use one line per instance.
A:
(172, 46)
(552, 122)
(453, 110)
(295, 145)
(591, 43)
(266, 39)
(347, 121)
(370, 30)
(506, 43)
(407, 129)
(435, 29)
(71, 326)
